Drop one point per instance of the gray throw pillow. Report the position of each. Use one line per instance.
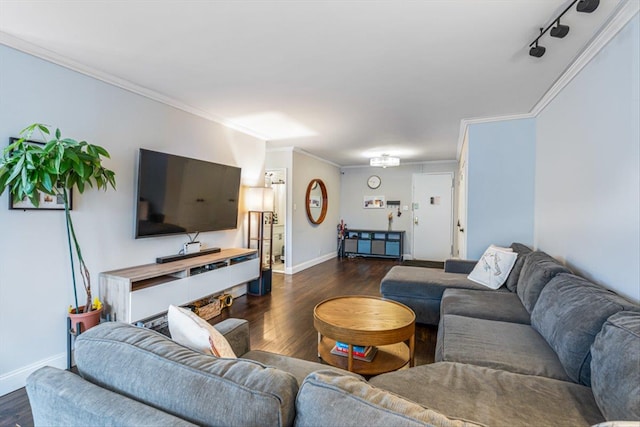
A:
(522, 251)
(615, 367)
(569, 314)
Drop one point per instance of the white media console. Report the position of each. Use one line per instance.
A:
(137, 293)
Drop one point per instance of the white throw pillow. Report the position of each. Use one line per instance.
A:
(188, 329)
(494, 267)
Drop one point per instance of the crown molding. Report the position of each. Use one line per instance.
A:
(464, 125)
(626, 11)
(426, 162)
(313, 156)
(55, 58)
(280, 149)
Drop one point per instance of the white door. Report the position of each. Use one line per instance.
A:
(433, 216)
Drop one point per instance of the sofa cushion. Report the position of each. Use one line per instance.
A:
(502, 306)
(615, 367)
(509, 346)
(421, 289)
(62, 398)
(538, 269)
(522, 251)
(329, 399)
(569, 313)
(493, 397)
(147, 366)
(297, 367)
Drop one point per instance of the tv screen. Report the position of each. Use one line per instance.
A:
(182, 195)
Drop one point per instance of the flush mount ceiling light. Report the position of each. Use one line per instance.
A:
(384, 161)
(560, 31)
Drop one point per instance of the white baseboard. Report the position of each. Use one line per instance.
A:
(14, 380)
(310, 263)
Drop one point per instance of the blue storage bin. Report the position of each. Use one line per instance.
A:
(364, 246)
(393, 248)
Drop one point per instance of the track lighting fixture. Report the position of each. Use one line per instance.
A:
(587, 6)
(560, 31)
(537, 51)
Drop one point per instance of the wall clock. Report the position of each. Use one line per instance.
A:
(374, 182)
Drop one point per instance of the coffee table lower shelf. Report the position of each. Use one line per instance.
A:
(389, 358)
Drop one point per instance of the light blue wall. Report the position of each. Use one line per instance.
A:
(587, 168)
(500, 201)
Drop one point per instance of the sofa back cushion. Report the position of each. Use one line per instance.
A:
(538, 269)
(615, 367)
(149, 367)
(569, 314)
(330, 399)
(522, 251)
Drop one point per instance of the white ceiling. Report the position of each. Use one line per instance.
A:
(359, 78)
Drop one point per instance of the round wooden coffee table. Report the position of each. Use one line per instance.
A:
(364, 321)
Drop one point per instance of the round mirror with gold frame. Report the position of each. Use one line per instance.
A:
(316, 201)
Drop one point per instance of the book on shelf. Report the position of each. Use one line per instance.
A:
(366, 357)
(361, 350)
(355, 353)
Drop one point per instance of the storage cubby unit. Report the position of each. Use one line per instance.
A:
(375, 243)
(137, 293)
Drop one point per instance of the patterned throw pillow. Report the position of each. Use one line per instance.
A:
(494, 267)
(188, 329)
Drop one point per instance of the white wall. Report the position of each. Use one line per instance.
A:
(35, 282)
(312, 244)
(500, 198)
(587, 168)
(396, 185)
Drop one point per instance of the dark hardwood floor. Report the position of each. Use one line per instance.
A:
(282, 322)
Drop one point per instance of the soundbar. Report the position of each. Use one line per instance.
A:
(169, 258)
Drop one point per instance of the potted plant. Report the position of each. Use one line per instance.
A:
(55, 168)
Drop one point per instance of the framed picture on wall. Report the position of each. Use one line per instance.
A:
(373, 202)
(47, 201)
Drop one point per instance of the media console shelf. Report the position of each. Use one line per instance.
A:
(137, 293)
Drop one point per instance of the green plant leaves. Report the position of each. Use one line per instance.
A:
(27, 169)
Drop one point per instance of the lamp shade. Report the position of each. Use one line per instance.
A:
(259, 199)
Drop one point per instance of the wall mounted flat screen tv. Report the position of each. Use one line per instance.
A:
(178, 195)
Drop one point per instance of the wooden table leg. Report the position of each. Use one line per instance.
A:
(412, 343)
(350, 359)
(319, 340)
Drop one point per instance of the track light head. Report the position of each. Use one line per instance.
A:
(559, 31)
(537, 51)
(587, 6)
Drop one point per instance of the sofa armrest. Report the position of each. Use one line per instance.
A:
(459, 266)
(60, 397)
(236, 331)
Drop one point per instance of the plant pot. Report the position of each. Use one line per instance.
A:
(87, 320)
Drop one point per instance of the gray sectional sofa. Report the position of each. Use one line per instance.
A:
(552, 350)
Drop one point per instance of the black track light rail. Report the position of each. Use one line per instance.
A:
(543, 32)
